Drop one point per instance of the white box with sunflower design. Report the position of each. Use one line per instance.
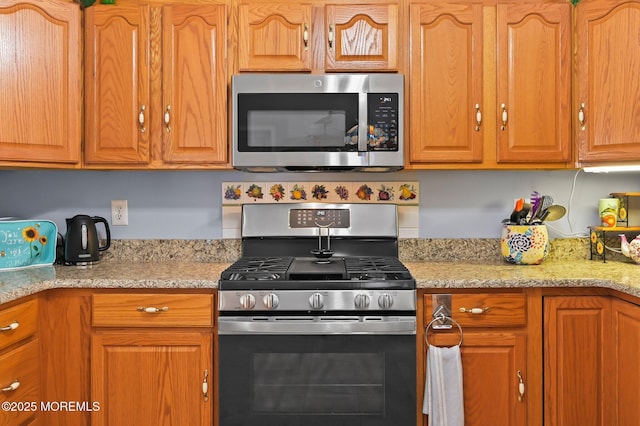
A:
(27, 243)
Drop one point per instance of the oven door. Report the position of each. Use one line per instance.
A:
(317, 371)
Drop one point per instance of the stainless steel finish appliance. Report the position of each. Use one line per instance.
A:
(306, 122)
(317, 320)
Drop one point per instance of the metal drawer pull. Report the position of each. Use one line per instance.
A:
(520, 387)
(167, 118)
(152, 310)
(504, 116)
(330, 37)
(11, 326)
(478, 117)
(13, 386)
(475, 311)
(141, 119)
(205, 385)
(581, 117)
(305, 36)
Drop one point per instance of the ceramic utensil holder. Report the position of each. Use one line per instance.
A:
(608, 211)
(524, 244)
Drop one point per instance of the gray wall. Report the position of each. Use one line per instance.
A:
(187, 204)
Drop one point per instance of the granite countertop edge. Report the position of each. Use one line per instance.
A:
(615, 275)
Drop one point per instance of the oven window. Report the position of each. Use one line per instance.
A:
(318, 383)
(297, 122)
(319, 380)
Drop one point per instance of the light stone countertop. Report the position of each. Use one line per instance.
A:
(617, 275)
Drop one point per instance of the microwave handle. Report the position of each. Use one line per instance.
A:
(363, 121)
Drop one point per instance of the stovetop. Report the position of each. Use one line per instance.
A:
(257, 272)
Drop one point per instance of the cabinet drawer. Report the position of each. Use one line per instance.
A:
(152, 310)
(496, 309)
(19, 365)
(18, 322)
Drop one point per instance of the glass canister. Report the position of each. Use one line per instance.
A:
(524, 244)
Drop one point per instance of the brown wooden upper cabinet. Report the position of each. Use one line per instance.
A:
(156, 93)
(297, 37)
(490, 85)
(607, 107)
(40, 83)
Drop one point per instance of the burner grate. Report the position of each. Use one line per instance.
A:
(258, 268)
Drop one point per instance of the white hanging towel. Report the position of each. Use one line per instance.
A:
(443, 400)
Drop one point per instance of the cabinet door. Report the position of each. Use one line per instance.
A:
(446, 83)
(117, 85)
(626, 370)
(361, 38)
(274, 37)
(608, 54)
(491, 362)
(20, 367)
(534, 82)
(40, 81)
(577, 361)
(151, 378)
(194, 84)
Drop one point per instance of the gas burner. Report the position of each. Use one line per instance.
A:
(372, 276)
(258, 268)
(254, 275)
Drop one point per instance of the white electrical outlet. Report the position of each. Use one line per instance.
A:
(119, 212)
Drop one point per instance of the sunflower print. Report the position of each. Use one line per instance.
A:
(30, 234)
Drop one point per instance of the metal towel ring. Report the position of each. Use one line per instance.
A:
(441, 318)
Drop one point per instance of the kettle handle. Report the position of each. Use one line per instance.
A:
(97, 219)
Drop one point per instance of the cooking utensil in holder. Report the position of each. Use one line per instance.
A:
(442, 320)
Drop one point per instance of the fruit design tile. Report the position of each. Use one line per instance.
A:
(401, 193)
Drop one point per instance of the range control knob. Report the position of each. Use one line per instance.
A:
(247, 301)
(316, 301)
(385, 301)
(270, 300)
(361, 301)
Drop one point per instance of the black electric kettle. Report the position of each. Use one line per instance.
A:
(81, 243)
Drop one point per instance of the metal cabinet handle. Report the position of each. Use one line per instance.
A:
(167, 118)
(151, 309)
(475, 311)
(330, 37)
(205, 386)
(504, 116)
(13, 386)
(305, 36)
(478, 118)
(581, 117)
(11, 326)
(141, 118)
(520, 387)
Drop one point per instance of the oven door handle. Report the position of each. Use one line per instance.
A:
(317, 325)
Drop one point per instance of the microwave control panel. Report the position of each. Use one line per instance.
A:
(383, 122)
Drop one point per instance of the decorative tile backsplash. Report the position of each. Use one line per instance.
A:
(405, 194)
(401, 193)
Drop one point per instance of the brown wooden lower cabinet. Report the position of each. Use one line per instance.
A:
(626, 367)
(19, 363)
(494, 355)
(591, 361)
(577, 359)
(151, 377)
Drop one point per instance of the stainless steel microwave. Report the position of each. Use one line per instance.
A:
(308, 122)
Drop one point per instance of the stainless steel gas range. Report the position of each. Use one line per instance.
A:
(317, 319)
